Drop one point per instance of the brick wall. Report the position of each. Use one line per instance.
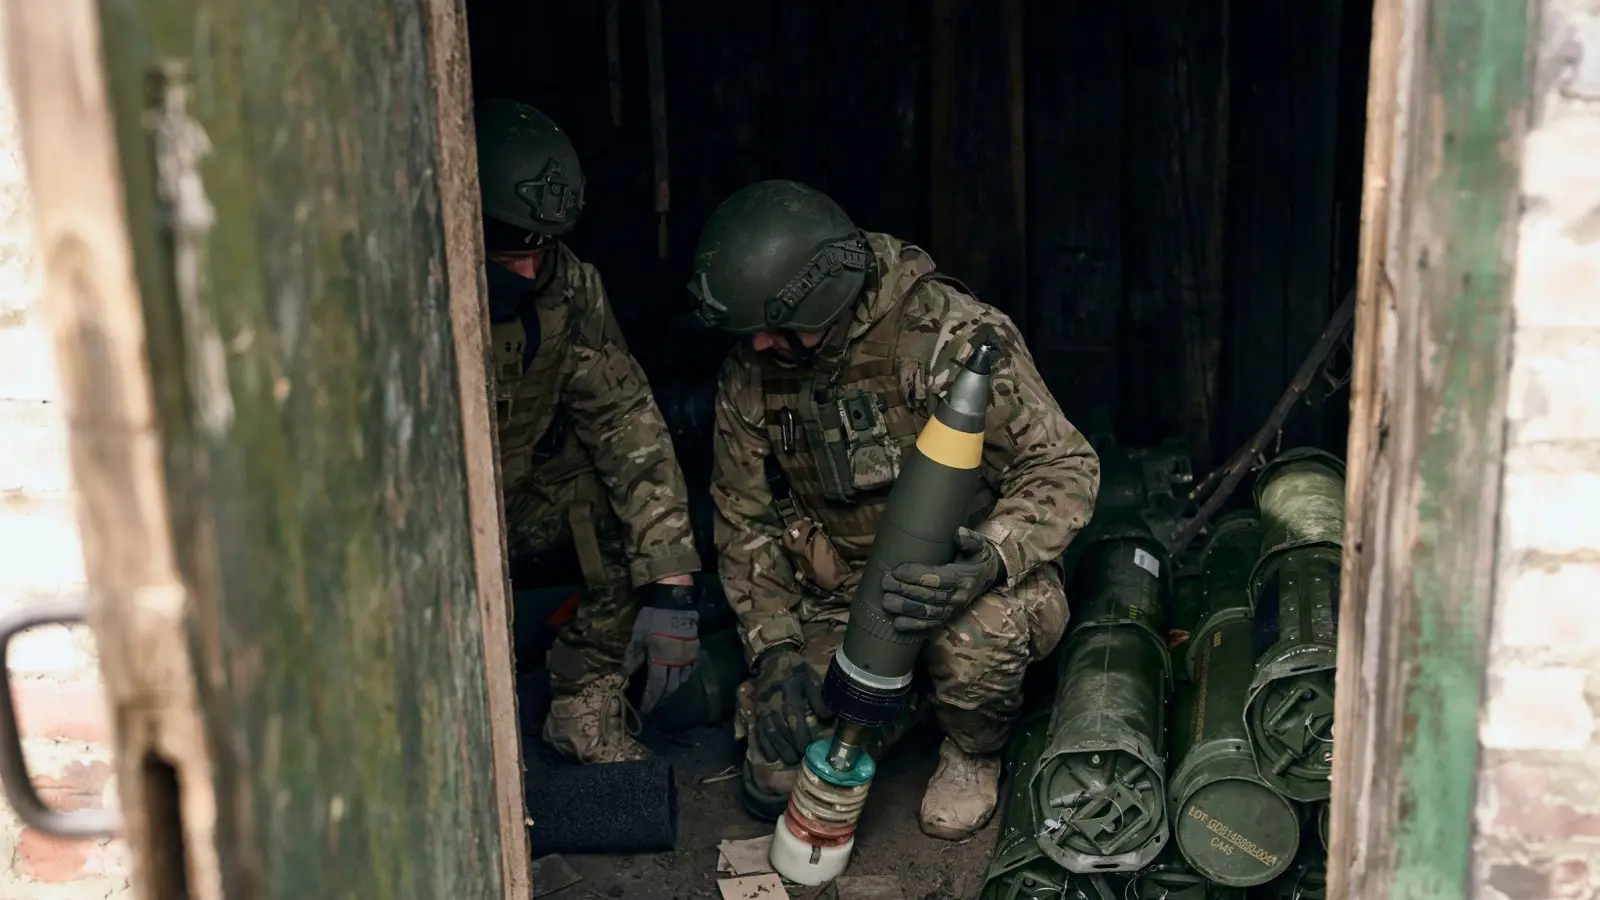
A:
(1539, 787)
(62, 709)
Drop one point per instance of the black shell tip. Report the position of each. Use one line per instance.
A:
(981, 362)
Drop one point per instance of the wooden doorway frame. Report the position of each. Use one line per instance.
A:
(1428, 402)
(1447, 106)
(92, 303)
(449, 58)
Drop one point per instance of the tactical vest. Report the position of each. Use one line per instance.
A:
(534, 433)
(840, 440)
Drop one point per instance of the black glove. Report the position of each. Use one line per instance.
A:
(667, 633)
(921, 597)
(786, 689)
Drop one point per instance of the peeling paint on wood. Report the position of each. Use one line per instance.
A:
(1431, 373)
(325, 535)
(1477, 83)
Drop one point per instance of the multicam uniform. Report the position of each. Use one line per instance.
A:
(586, 458)
(832, 436)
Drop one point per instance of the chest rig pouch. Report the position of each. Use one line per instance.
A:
(840, 432)
(554, 438)
(854, 450)
(510, 340)
(818, 565)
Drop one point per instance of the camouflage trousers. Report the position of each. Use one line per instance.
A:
(575, 513)
(972, 671)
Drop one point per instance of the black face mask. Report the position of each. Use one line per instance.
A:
(508, 296)
(506, 291)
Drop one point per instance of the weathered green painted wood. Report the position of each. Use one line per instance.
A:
(1471, 107)
(317, 472)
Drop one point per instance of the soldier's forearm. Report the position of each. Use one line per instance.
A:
(767, 630)
(646, 568)
(1028, 537)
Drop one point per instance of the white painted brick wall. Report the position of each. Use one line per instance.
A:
(1539, 787)
(61, 705)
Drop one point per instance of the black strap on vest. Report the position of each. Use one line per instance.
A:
(549, 443)
(782, 498)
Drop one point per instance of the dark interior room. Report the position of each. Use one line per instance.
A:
(1163, 195)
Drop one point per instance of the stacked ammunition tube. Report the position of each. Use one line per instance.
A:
(1195, 767)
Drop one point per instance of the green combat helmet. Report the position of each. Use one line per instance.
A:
(527, 169)
(778, 255)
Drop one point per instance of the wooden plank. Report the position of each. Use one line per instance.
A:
(1352, 822)
(1175, 154)
(1446, 111)
(977, 205)
(139, 603)
(1075, 214)
(309, 396)
(460, 208)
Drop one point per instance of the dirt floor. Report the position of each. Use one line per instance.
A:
(889, 843)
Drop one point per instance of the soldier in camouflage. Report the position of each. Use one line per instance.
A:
(852, 335)
(586, 460)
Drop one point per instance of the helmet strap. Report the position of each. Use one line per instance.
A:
(804, 357)
(828, 349)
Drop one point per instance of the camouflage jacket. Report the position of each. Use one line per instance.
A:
(581, 406)
(1041, 475)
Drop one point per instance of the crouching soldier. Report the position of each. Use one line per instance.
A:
(585, 456)
(852, 336)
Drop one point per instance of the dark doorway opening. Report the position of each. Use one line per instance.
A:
(1163, 195)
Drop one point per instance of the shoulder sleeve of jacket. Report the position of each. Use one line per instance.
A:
(615, 416)
(1044, 470)
(756, 572)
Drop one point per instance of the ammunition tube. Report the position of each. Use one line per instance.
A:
(1100, 787)
(1019, 870)
(1306, 880)
(1295, 594)
(1170, 877)
(1228, 822)
(1185, 619)
(1225, 566)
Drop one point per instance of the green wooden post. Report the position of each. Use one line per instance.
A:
(280, 166)
(1477, 91)
(1436, 281)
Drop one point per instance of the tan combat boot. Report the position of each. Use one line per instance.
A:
(961, 794)
(595, 725)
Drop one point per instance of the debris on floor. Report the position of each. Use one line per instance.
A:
(747, 857)
(753, 887)
(889, 842)
(550, 874)
(869, 887)
(727, 774)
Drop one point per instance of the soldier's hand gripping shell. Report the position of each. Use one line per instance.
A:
(666, 634)
(921, 597)
(786, 691)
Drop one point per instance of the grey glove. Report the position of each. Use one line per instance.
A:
(666, 634)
